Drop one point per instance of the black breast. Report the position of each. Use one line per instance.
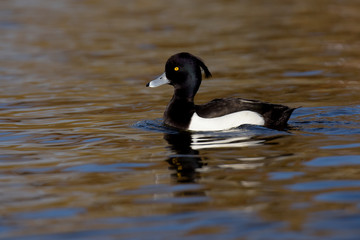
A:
(178, 113)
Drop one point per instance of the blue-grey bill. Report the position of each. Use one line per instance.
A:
(161, 80)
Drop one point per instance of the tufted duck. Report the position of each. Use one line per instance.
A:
(183, 72)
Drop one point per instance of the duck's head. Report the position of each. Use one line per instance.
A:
(183, 71)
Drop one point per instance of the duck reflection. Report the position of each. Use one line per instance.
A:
(187, 159)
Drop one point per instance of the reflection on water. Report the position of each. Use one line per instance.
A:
(187, 160)
(84, 154)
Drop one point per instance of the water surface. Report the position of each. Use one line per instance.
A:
(84, 154)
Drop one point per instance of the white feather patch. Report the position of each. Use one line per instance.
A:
(225, 122)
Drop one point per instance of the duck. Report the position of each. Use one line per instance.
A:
(183, 72)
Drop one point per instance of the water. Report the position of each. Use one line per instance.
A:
(83, 153)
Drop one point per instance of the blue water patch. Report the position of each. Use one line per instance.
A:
(344, 146)
(11, 136)
(303, 74)
(177, 200)
(337, 224)
(333, 161)
(55, 141)
(36, 170)
(90, 140)
(96, 168)
(323, 185)
(9, 25)
(50, 213)
(163, 188)
(340, 197)
(284, 175)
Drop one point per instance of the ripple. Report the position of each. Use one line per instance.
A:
(340, 197)
(304, 74)
(334, 161)
(116, 167)
(344, 146)
(155, 125)
(54, 213)
(284, 175)
(323, 185)
(335, 120)
(70, 93)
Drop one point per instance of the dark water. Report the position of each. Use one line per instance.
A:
(83, 153)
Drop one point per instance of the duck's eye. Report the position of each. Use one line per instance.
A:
(176, 68)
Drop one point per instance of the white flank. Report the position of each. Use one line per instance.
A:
(225, 122)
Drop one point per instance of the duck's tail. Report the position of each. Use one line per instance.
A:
(283, 116)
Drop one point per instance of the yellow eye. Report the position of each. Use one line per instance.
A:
(176, 68)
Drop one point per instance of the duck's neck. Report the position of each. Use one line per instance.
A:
(179, 111)
(183, 95)
(181, 107)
